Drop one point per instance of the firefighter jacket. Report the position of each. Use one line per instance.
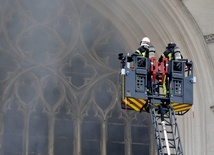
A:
(143, 51)
(169, 54)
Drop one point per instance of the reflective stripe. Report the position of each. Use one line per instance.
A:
(132, 100)
(143, 53)
(169, 56)
(179, 107)
(183, 109)
(163, 55)
(135, 104)
(138, 51)
(164, 85)
(131, 105)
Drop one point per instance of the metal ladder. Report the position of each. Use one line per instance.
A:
(166, 130)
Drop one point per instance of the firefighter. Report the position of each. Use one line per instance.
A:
(146, 50)
(144, 47)
(172, 52)
(143, 51)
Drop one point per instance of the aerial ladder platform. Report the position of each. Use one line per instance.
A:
(164, 90)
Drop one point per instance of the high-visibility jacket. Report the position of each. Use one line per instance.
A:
(143, 51)
(169, 54)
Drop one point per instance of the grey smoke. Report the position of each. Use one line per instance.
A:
(41, 106)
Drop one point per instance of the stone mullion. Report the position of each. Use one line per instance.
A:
(51, 134)
(104, 138)
(1, 132)
(77, 137)
(26, 132)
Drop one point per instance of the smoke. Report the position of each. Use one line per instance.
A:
(62, 53)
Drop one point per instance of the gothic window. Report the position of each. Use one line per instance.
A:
(59, 82)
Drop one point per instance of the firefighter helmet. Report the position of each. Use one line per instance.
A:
(145, 40)
(171, 45)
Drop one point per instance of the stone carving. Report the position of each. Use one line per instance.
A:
(209, 38)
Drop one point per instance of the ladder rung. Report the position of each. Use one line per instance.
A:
(167, 131)
(171, 147)
(168, 139)
(165, 124)
(169, 124)
(163, 117)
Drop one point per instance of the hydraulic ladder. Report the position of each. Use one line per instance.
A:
(142, 90)
(166, 130)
